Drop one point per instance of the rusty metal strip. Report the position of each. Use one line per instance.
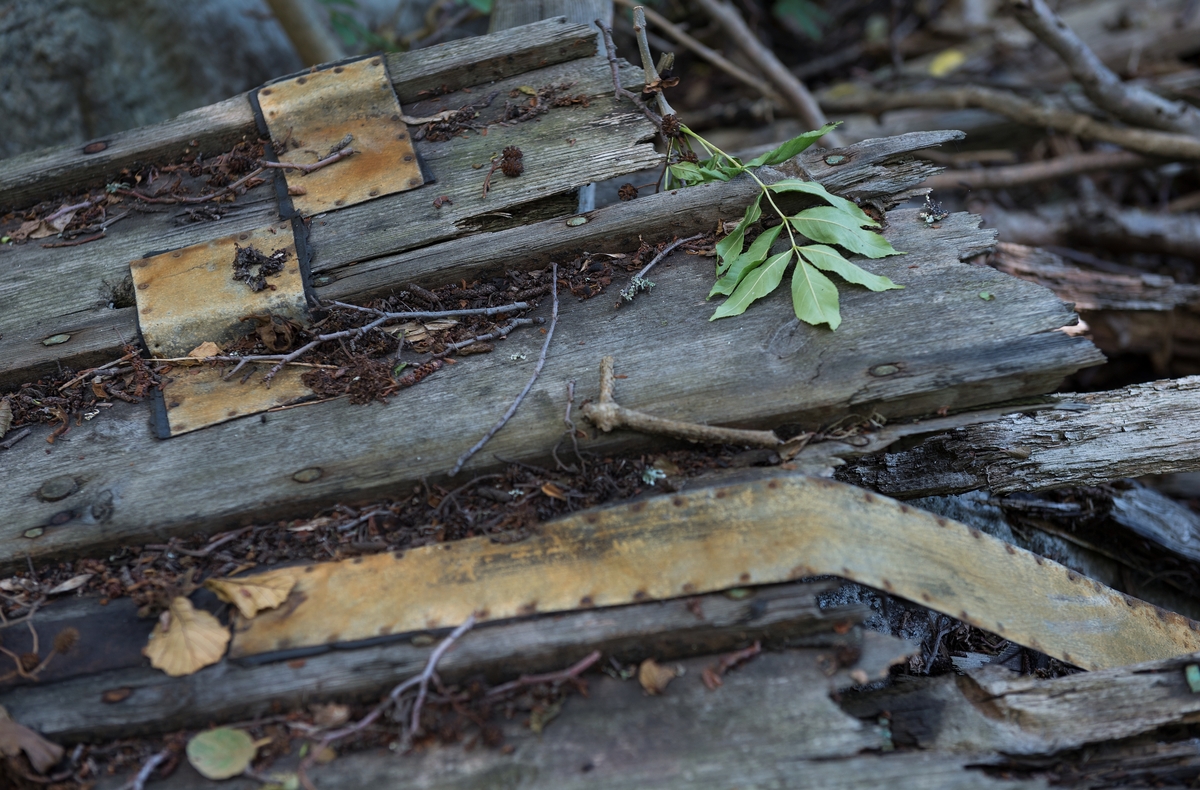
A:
(188, 297)
(349, 105)
(720, 537)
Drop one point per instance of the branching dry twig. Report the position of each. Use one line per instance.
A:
(637, 283)
(1130, 103)
(711, 55)
(462, 459)
(611, 49)
(421, 681)
(336, 156)
(494, 335)
(570, 673)
(607, 414)
(792, 89)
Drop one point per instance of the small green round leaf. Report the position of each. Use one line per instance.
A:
(221, 753)
(986, 296)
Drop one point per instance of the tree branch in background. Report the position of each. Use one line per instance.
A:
(305, 26)
(793, 91)
(1035, 172)
(712, 56)
(1130, 103)
(1165, 145)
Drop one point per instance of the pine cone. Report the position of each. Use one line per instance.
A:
(512, 162)
(627, 192)
(671, 126)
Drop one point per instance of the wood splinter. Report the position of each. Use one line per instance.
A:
(607, 414)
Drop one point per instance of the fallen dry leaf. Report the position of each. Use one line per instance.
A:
(185, 639)
(22, 233)
(654, 677)
(416, 332)
(221, 753)
(331, 715)
(16, 738)
(251, 597)
(73, 583)
(205, 350)
(553, 491)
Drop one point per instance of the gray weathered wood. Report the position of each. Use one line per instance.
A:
(1130, 432)
(771, 725)
(680, 365)
(52, 291)
(72, 710)
(456, 65)
(57, 293)
(876, 170)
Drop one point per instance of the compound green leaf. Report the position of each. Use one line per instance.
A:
(815, 189)
(814, 297)
(757, 284)
(746, 262)
(730, 247)
(830, 260)
(833, 226)
(792, 147)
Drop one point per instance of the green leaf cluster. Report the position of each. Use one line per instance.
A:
(746, 274)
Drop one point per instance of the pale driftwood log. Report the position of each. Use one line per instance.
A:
(455, 65)
(888, 356)
(771, 725)
(72, 710)
(1102, 436)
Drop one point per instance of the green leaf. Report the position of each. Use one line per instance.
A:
(814, 188)
(814, 297)
(756, 285)
(746, 262)
(691, 173)
(830, 260)
(792, 147)
(833, 226)
(221, 753)
(730, 247)
(482, 6)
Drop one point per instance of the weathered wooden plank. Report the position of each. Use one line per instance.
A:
(1130, 432)
(874, 170)
(456, 65)
(680, 365)
(995, 710)
(73, 710)
(772, 725)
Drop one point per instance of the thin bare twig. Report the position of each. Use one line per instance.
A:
(497, 333)
(504, 308)
(139, 782)
(1027, 111)
(711, 55)
(232, 188)
(652, 77)
(570, 673)
(16, 437)
(611, 49)
(336, 156)
(1127, 102)
(607, 414)
(792, 89)
(1035, 172)
(635, 284)
(462, 459)
(421, 681)
(91, 371)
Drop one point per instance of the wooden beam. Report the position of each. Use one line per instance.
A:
(73, 709)
(61, 291)
(1092, 438)
(680, 365)
(455, 65)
